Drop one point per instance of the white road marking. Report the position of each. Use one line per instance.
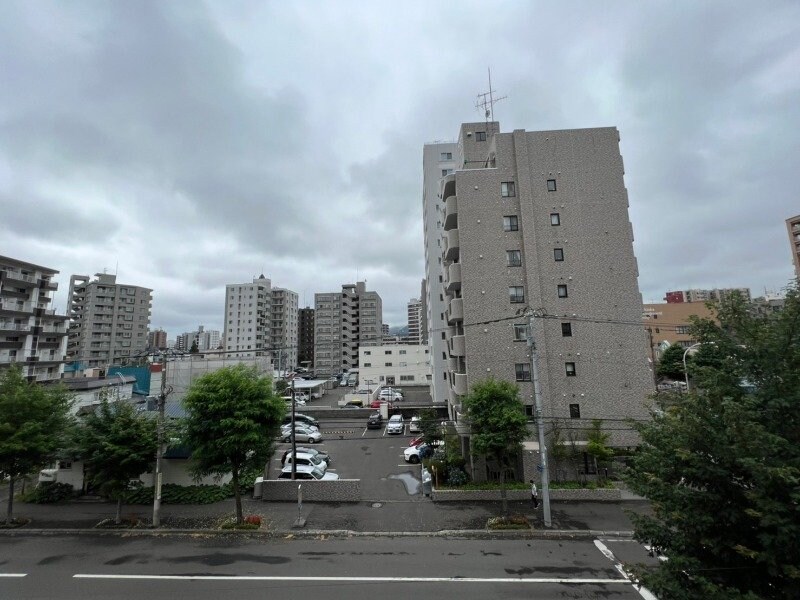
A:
(361, 579)
(643, 591)
(13, 574)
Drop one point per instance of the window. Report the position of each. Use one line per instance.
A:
(566, 330)
(446, 172)
(366, 352)
(555, 219)
(406, 378)
(402, 364)
(402, 351)
(387, 351)
(516, 294)
(480, 136)
(513, 258)
(444, 337)
(367, 364)
(523, 371)
(569, 367)
(510, 223)
(445, 156)
(445, 375)
(575, 411)
(682, 329)
(508, 189)
(551, 185)
(562, 291)
(520, 332)
(558, 254)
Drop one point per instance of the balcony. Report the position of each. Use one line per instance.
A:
(460, 384)
(454, 277)
(451, 213)
(452, 245)
(456, 311)
(448, 185)
(8, 326)
(23, 307)
(19, 277)
(458, 346)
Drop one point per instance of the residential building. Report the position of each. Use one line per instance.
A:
(438, 161)
(423, 313)
(204, 340)
(394, 364)
(667, 324)
(535, 224)
(157, 339)
(284, 326)
(384, 329)
(793, 229)
(31, 334)
(109, 321)
(714, 295)
(414, 321)
(305, 337)
(344, 322)
(768, 304)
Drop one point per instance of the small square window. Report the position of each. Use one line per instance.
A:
(574, 411)
(520, 332)
(510, 223)
(516, 294)
(513, 258)
(558, 254)
(367, 352)
(555, 219)
(508, 189)
(387, 351)
(446, 156)
(388, 364)
(569, 367)
(480, 136)
(523, 371)
(566, 330)
(562, 291)
(551, 185)
(367, 364)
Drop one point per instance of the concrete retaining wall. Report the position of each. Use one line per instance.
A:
(601, 495)
(342, 490)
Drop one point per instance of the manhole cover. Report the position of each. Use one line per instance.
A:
(376, 505)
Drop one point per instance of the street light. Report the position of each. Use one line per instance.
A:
(685, 370)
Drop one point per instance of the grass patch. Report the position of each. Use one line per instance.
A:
(15, 523)
(579, 485)
(509, 522)
(126, 523)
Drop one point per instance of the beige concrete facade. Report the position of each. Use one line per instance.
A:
(793, 229)
(668, 324)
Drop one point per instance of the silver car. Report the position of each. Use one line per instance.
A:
(301, 434)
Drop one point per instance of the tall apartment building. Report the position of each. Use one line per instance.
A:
(793, 229)
(423, 313)
(438, 161)
(261, 321)
(205, 340)
(343, 322)
(31, 334)
(715, 295)
(305, 337)
(537, 223)
(414, 321)
(157, 339)
(109, 321)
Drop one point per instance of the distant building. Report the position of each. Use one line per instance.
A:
(714, 295)
(793, 229)
(344, 322)
(305, 337)
(384, 329)
(768, 304)
(109, 321)
(31, 334)
(157, 339)
(668, 324)
(205, 340)
(394, 364)
(414, 321)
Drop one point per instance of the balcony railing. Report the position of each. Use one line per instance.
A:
(24, 307)
(7, 326)
(20, 277)
(451, 213)
(460, 384)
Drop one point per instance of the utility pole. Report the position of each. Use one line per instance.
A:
(537, 397)
(162, 399)
(294, 441)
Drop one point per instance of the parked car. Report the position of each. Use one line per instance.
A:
(414, 426)
(297, 401)
(307, 472)
(288, 426)
(305, 459)
(416, 441)
(301, 418)
(396, 424)
(377, 404)
(354, 403)
(375, 421)
(391, 394)
(414, 454)
(302, 434)
(306, 450)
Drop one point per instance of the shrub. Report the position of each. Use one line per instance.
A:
(253, 520)
(181, 494)
(510, 522)
(50, 492)
(456, 477)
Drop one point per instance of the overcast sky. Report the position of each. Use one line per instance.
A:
(193, 144)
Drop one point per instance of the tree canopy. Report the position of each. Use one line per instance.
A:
(497, 423)
(233, 418)
(670, 364)
(117, 444)
(721, 465)
(34, 424)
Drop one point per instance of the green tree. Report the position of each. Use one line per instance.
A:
(430, 426)
(596, 443)
(670, 365)
(194, 349)
(498, 424)
(233, 417)
(117, 444)
(721, 465)
(34, 423)
(281, 386)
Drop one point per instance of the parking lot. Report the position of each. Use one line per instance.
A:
(371, 455)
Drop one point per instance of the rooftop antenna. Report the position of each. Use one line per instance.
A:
(486, 101)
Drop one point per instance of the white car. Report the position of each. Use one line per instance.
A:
(395, 424)
(391, 394)
(414, 426)
(297, 401)
(306, 472)
(414, 454)
(304, 458)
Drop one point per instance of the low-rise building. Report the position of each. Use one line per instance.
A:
(394, 364)
(668, 324)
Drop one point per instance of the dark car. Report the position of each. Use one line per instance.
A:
(301, 418)
(375, 421)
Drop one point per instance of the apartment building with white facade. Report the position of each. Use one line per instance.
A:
(538, 221)
(284, 326)
(344, 322)
(205, 340)
(438, 161)
(109, 321)
(414, 311)
(31, 334)
(394, 364)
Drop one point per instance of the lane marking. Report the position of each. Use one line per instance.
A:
(13, 574)
(358, 579)
(643, 591)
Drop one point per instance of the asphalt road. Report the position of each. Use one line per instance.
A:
(94, 567)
